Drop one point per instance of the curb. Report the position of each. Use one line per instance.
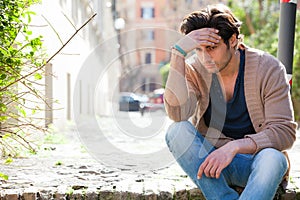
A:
(192, 194)
(11, 194)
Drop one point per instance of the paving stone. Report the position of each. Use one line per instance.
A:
(92, 195)
(109, 195)
(11, 197)
(181, 195)
(76, 195)
(165, 196)
(10, 194)
(59, 196)
(28, 196)
(29, 193)
(43, 195)
(151, 197)
(196, 194)
(290, 195)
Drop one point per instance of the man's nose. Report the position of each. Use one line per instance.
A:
(205, 56)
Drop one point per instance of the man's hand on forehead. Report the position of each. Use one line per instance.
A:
(201, 37)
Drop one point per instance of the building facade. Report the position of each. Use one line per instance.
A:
(151, 28)
(78, 79)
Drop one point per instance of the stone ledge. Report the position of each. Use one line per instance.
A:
(193, 194)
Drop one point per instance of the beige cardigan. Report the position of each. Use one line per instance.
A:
(267, 94)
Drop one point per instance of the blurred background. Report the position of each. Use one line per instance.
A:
(99, 68)
(139, 33)
(105, 57)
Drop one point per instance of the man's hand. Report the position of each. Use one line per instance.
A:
(223, 156)
(216, 162)
(199, 37)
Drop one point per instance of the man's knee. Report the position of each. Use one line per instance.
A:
(275, 155)
(177, 128)
(180, 136)
(274, 160)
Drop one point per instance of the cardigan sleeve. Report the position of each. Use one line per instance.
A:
(278, 130)
(187, 108)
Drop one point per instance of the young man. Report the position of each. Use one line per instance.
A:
(240, 104)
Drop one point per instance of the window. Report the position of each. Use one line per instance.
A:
(148, 35)
(149, 84)
(148, 58)
(147, 13)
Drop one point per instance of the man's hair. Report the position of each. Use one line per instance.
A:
(216, 16)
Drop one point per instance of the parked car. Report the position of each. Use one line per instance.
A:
(157, 97)
(130, 101)
(156, 101)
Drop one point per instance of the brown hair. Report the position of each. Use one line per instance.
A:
(216, 16)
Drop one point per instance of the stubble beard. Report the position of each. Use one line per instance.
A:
(226, 64)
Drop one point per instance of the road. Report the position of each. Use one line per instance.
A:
(125, 152)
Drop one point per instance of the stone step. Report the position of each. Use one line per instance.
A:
(192, 194)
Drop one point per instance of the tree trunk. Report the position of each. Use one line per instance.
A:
(249, 23)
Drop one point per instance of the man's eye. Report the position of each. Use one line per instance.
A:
(210, 48)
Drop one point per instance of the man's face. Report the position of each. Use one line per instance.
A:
(214, 58)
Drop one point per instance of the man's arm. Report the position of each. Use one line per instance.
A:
(222, 157)
(180, 103)
(176, 88)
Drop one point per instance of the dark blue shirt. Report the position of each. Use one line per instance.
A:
(231, 117)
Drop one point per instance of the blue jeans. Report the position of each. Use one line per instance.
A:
(260, 174)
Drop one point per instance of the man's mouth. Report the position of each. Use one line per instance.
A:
(210, 65)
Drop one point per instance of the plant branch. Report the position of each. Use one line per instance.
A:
(56, 33)
(27, 75)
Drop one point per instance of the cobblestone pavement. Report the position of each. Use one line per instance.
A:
(67, 166)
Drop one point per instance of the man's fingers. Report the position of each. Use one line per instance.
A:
(212, 172)
(208, 34)
(209, 37)
(218, 172)
(201, 169)
(207, 171)
(207, 40)
(212, 30)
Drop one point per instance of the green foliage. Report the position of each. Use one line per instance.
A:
(265, 37)
(260, 23)
(296, 69)
(8, 160)
(21, 61)
(58, 163)
(54, 138)
(3, 176)
(164, 72)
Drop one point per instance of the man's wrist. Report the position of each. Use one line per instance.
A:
(180, 50)
(244, 146)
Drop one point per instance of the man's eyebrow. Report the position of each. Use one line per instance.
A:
(208, 46)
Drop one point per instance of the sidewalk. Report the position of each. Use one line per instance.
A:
(68, 171)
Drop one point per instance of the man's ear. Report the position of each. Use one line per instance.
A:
(233, 41)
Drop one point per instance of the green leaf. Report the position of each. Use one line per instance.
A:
(3, 76)
(22, 111)
(58, 163)
(38, 76)
(8, 160)
(3, 107)
(3, 176)
(6, 135)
